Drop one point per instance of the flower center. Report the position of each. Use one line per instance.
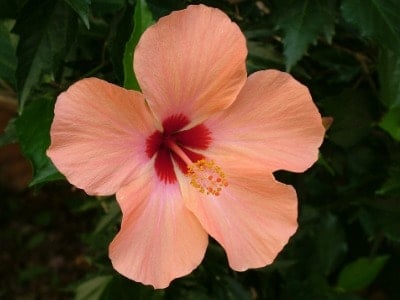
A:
(175, 145)
(204, 174)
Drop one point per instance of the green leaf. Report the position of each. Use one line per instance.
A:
(8, 60)
(33, 128)
(142, 19)
(391, 122)
(389, 78)
(342, 65)
(124, 289)
(93, 288)
(378, 220)
(81, 7)
(376, 19)
(392, 184)
(360, 273)
(233, 290)
(165, 7)
(262, 57)
(324, 237)
(113, 214)
(302, 22)
(120, 33)
(45, 30)
(115, 287)
(352, 115)
(9, 135)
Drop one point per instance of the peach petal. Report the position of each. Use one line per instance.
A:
(253, 217)
(98, 135)
(273, 122)
(191, 62)
(160, 239)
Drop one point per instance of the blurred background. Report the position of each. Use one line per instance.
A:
(54, 238)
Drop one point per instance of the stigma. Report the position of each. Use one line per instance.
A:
(207, 177)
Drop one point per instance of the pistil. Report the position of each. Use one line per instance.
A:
(204, 174)
(178, 151)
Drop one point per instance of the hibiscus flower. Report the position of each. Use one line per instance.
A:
(193, 154)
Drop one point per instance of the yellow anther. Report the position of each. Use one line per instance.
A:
(207, 177)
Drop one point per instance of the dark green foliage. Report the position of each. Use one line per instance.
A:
(359, 274)
(114, 287)
(33, 128)
(8, 60)
(142, 19)
(45, 31)
(81, 7)
(389, 78)
(345, 51)
(302, 22)
(376, 19)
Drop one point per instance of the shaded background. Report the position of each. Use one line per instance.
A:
(54, 238)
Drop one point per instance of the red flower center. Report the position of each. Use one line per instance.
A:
(159, 144)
